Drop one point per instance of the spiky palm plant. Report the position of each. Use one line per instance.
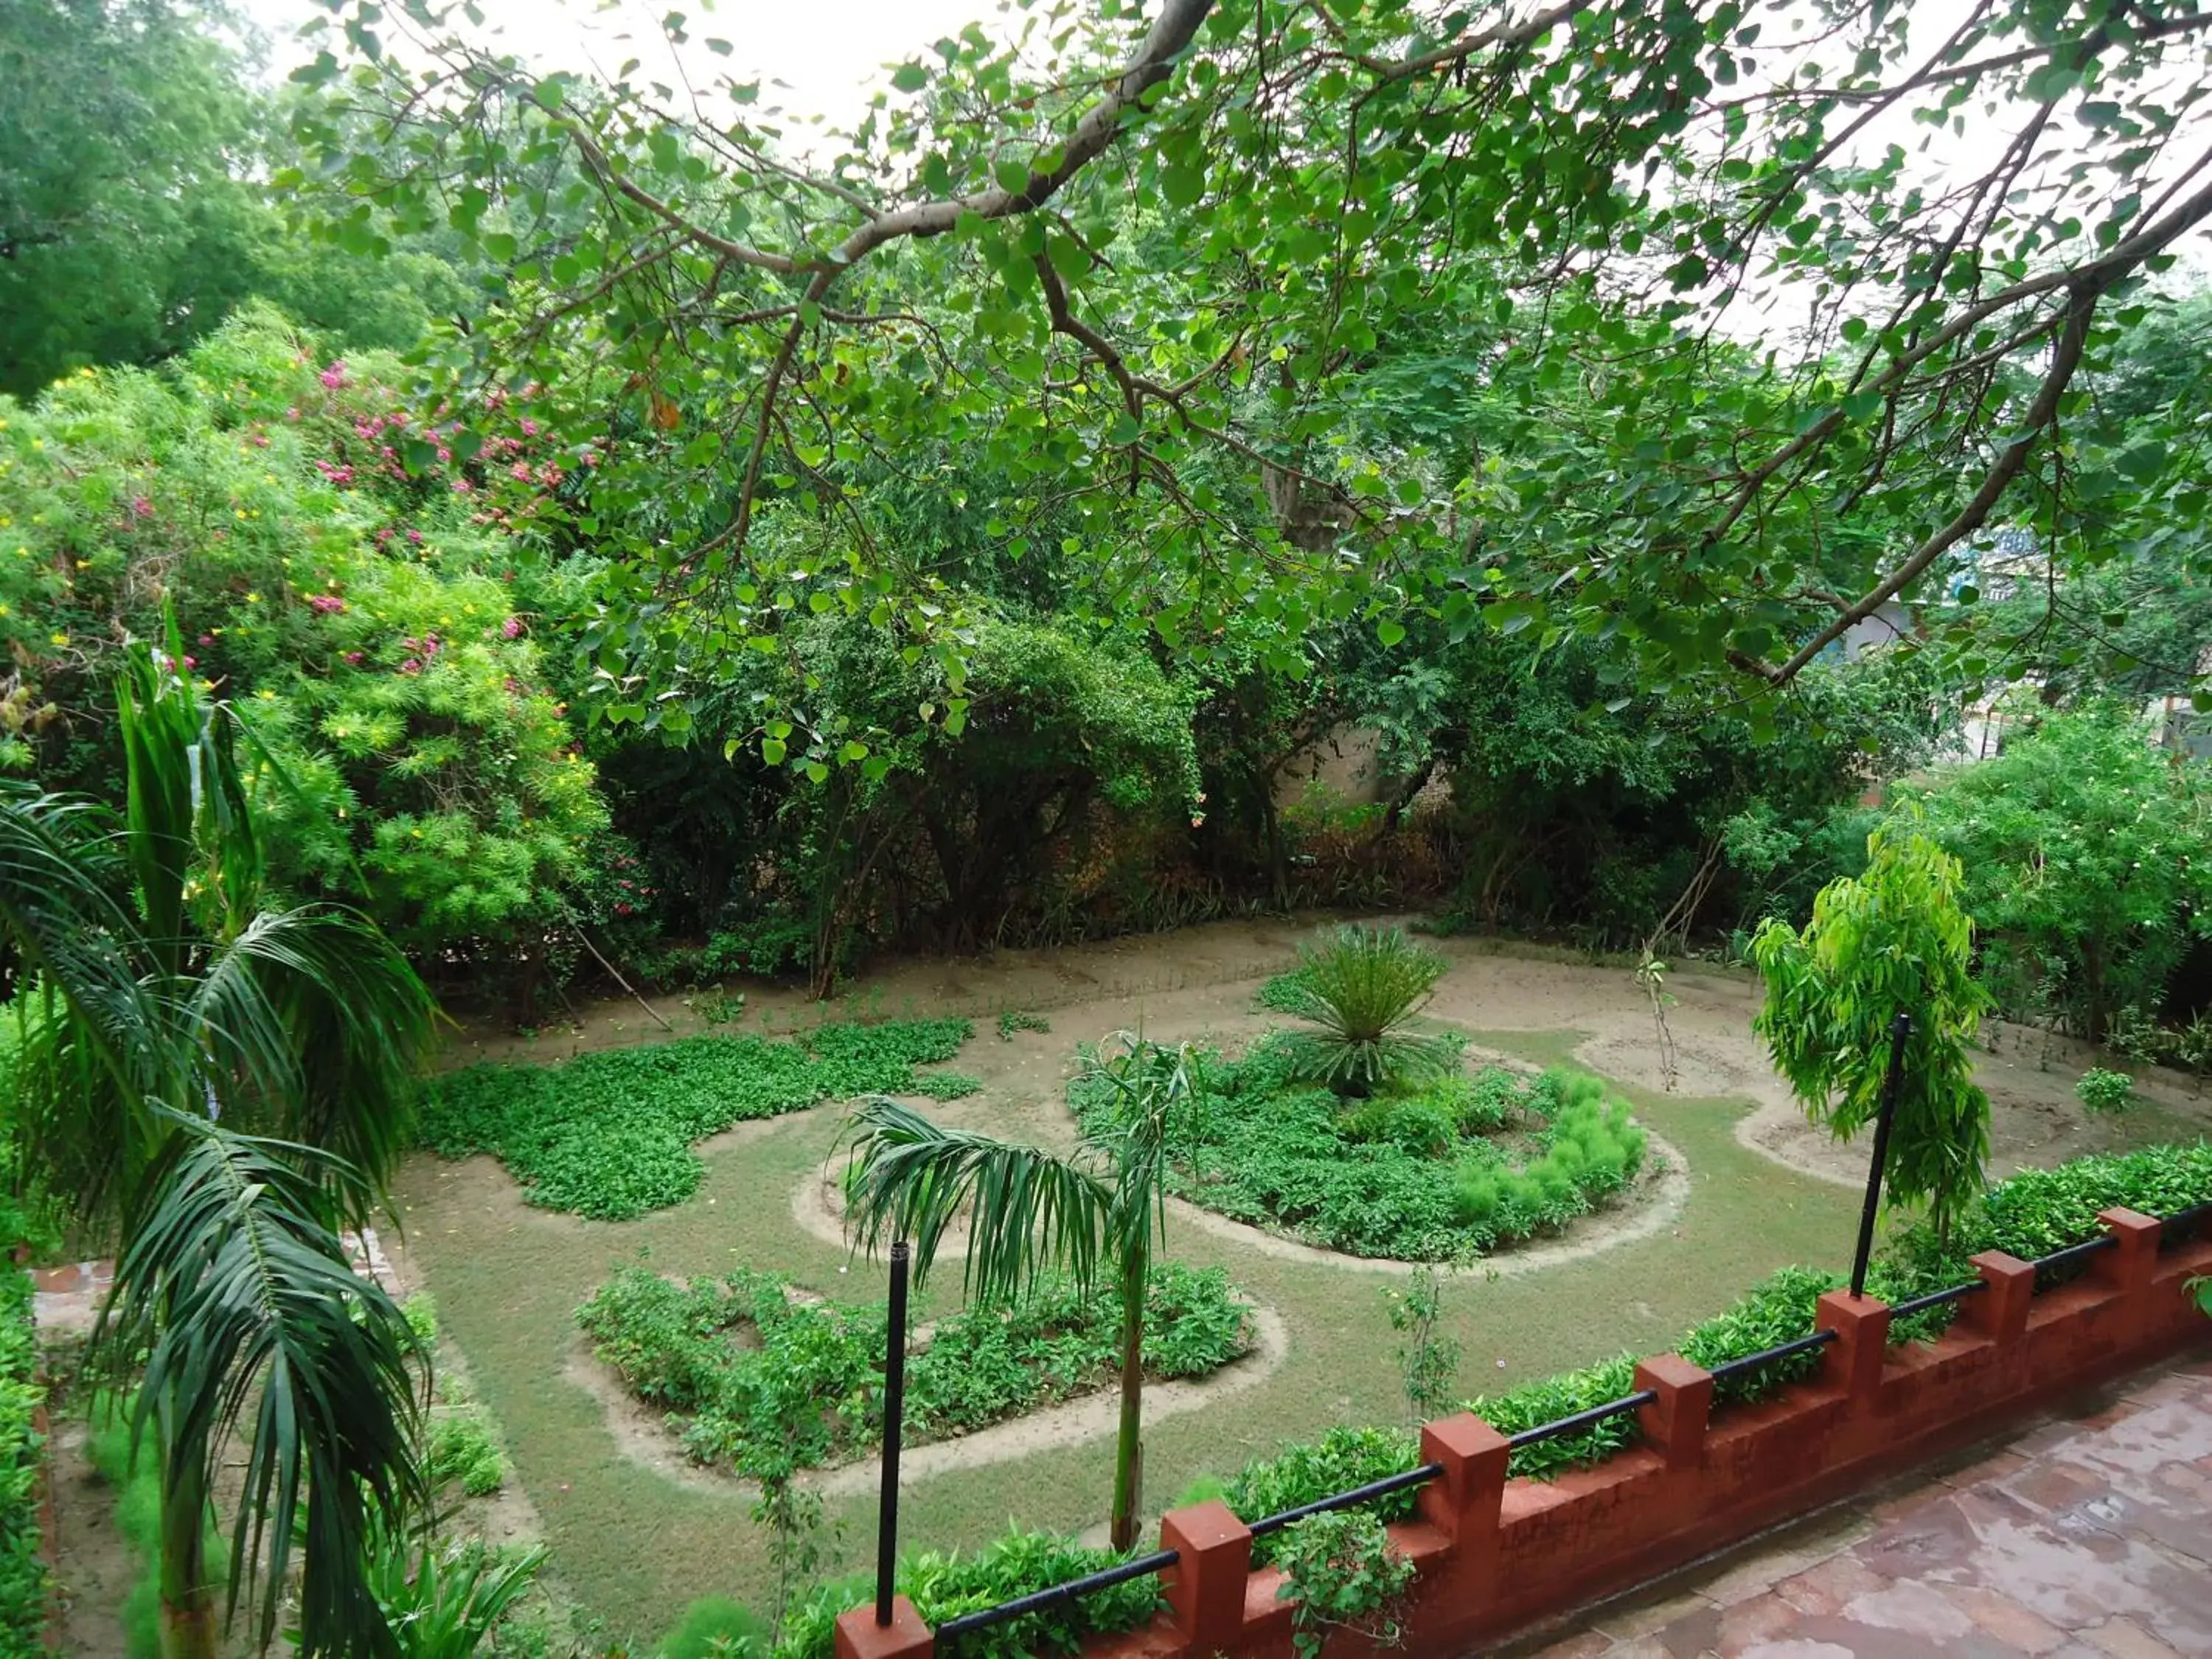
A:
(228, 1086)
(1030, 1212)
(1360, 990)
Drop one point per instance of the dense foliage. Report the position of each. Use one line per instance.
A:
(763, 1381)
(22, 1567)
(1888, 944)
(1422, 1173)
(2087, 855)
(609, 1134)
(945, 1584)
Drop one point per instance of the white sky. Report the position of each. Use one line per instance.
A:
(828, 54)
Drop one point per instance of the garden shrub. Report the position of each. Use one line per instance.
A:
(714, 1626)
(945, 1085)
(22, 1574)
(609, 1135)
(1340, 1570)
(811, 1392)
(2104, 1091)
(2037, 1211)
(943, 1585)
(1347, 1456)
(463, 1450)
(1404, 1173)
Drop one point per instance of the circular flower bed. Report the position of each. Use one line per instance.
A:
(1452, 1166)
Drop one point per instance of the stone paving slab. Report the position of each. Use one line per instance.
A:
(2086, 1536)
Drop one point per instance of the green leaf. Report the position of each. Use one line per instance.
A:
(909, 77)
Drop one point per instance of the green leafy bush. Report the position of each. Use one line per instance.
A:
(1404, 1173)
(1347, 1456)
(1359, 991)
(1011, 1020)
(946, 1585)
(609, 1135)
(714, 1627)
(22, 1574)
(2037, 1211)
(446, 1599)
(463, 1450)
(810, 1391)
(2102, 1091)
(1340, 1570)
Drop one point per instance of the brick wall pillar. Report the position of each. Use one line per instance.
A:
(1465, 1500)
(2000, 1312)
(1206, 1586)
(2129, 1266)
(1675, 1422)
(859, 1636)
(1853, 1361)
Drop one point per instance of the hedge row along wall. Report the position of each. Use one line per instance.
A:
(1499, 1555)
(25, 1501)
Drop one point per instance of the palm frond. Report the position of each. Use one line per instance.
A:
(1029, 1211)
(315, 1013)
(237, 1288)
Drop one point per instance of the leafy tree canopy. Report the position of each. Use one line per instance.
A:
(1258, 314)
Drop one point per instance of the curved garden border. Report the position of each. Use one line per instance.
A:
(1091, 1416)
(1657, 1202)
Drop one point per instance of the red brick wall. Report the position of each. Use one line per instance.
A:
(1498, 1555)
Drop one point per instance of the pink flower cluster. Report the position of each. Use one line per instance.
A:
(326, 604)
(340, 476)
(511, 627)
(334, 377)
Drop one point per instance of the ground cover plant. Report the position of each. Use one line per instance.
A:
(1423, 1171)
(609, 1135)
(759, 1380)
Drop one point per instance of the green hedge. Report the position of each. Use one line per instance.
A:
(23, 1573)
(945, 1586)
(2029, 1215)
(609, 1135)
(812, 1392)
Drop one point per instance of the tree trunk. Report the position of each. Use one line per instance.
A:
(188, 1621)
(1129, 1451)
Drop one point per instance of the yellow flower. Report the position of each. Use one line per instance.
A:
(59, 638)
(4, 609)
(266, 694)
(38, 443)
(253, 599)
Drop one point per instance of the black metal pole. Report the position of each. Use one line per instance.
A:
(894, 1418)
(1900, 1028)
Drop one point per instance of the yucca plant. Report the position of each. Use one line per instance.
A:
(1359, 990)
(226, 1086)
(1029, 1211)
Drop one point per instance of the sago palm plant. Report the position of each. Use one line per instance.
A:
(1030, 1212)
(227, 1087)
(1360, 991)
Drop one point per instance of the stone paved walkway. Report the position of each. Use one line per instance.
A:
(2085, 1536)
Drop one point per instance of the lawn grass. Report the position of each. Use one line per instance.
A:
(636, 1547)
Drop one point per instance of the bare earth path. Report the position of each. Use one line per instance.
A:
(1746, 1192)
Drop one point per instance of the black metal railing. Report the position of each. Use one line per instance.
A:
(1351, 1498)
(1037, 1601)
(954, 1628)
(1752, 1362)
(1913, 1304)
(1585, 1419)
